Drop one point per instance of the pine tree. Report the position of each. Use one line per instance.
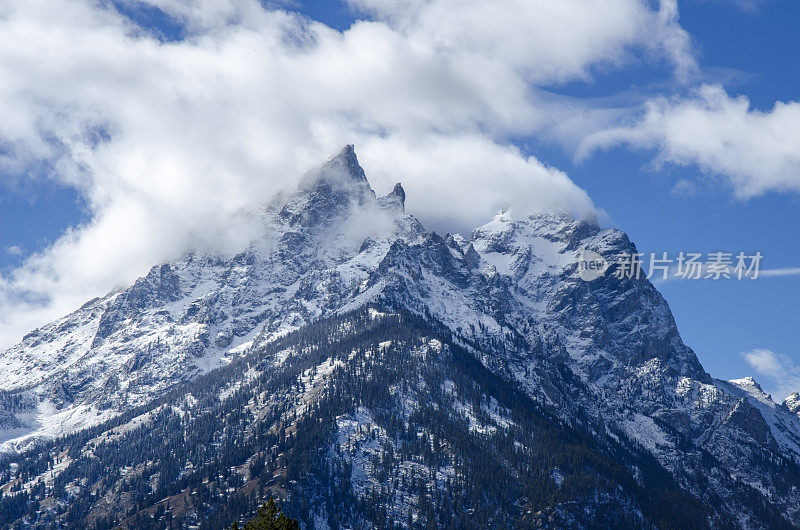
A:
(269, 517)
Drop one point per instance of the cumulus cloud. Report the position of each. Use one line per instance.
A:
(783, 374)
(468, 170)
(755, 152)
(172, 143)
(545, 41)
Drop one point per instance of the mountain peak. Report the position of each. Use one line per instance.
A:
(327, 191)
(394, 199)
(792, 402)
(399, 191)
(341, 171)
(348, 151)
(747, 383)
(345, 163)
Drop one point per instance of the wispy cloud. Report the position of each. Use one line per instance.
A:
(785, 271)
(747, 5)
(673, 275)
(684, 188)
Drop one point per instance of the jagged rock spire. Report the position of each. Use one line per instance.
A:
(328, 191)
(344, 164)
(395, 199)
(399, 191)
(341, 171)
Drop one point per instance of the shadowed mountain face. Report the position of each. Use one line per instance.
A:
(373, 374)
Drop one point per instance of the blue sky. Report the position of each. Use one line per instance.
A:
(745, 49)
(718, 319)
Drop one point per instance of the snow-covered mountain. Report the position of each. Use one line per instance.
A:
(347, 321)
(318, 248)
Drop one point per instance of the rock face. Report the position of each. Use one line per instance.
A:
(504, 308)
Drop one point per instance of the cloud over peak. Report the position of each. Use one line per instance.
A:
(171, 141)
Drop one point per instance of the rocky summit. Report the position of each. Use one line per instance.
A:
(369, 373)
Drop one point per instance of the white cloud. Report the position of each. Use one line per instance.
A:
(779, 369)
(544, 41)
(468, 170)
(170, 143)
(756, 152)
